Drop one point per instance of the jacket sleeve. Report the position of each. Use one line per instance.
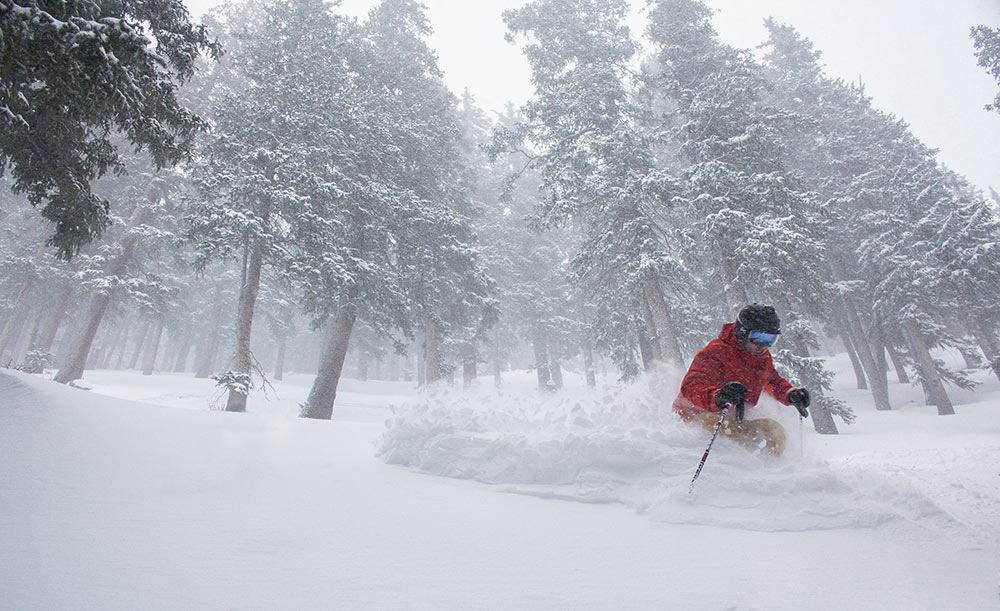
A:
(777, 386)
(703, 378)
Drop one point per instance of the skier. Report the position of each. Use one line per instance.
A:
(733, 369)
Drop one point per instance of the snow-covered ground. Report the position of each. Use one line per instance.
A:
(136, 495)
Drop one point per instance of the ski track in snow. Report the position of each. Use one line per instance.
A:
(622, 446)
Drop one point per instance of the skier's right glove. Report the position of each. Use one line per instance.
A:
(799, 397)
(731, 393)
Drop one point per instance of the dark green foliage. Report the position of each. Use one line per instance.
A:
(75, 76)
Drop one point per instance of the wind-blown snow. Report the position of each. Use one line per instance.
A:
(109, 503)
(625, 446)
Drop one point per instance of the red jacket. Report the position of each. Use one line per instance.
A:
(721, 361)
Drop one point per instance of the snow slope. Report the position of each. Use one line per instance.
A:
(146, 499)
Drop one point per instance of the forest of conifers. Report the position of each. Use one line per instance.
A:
(285, 188)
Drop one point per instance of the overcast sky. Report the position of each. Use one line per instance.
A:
(914, 57)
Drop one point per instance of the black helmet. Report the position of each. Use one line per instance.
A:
(756, 317)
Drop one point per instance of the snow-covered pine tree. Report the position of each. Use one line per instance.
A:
(72, 74)
(448, 285)
(987, 44)
(833, 157)
(872, 172)
(757, 229)
(111, 264)
(274, 126)
(213, 308)
(281, 314)
(480, 184)
(596, 169)
(22, 254)
(967, 248)
(390, 240)
(39, 291)
(527, 263)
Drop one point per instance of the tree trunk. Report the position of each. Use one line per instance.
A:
(149, 363)
(469, 358)
(422, 365)
(648, 346)
(140, 344)
(971, 358)
(362, 358)
(555, 368)
(209, 345)
(14, 327)
(822, 419)
(897, 364)
(924, 386)
(663, 333)
(845, 337)
(588, 362)
(118, 346)
(279, 361)
(183, 351)
(242, 357)
(24, 338)
(876, 376)
(541, 357)
(79, 350)
(56, 314)
(76, 359)
(646, 350)
(324, 389)
(395, 367)
(876, 339)
(432, 354)
(123, 346)
(928, 369)
(987, 343)
(36, 330)
(95, 358)
(175, 343)
(497, 372)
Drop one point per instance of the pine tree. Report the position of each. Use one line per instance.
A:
(73, 72)
(115, 264)
(757, 230)
(22, 254)
(834, 157)
(596, 169)
(896, 290)
(391, 241)
(269, 151)
(987, 44)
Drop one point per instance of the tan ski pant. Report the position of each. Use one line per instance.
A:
(762, 434)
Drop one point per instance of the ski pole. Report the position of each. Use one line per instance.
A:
(801, 449)
(715, 433)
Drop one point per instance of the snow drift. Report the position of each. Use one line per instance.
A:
(624, 445)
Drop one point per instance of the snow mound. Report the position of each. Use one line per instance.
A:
(624, 445)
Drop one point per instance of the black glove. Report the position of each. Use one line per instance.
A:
(731, 393)
(799, 397)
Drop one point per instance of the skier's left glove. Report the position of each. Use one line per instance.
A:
(799, 397)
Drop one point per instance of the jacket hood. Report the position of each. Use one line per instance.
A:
(728, 334)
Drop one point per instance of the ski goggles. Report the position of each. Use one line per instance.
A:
(760, 338)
